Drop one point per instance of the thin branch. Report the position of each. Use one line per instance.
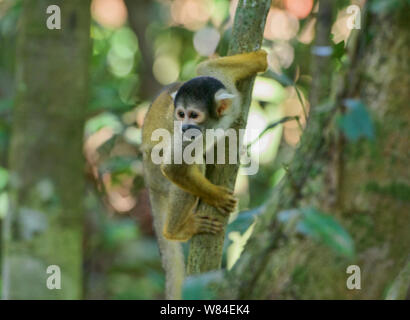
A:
(272, 126)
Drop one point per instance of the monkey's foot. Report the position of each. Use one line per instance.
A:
(223, 200)
(205, 224)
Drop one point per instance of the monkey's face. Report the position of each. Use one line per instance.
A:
(200, 104)
(192, 120)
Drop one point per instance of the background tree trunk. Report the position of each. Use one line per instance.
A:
(140, 17)
(375, 177)
(369, 182)
(44, 225)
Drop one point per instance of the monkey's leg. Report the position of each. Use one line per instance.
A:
(191, 179)
(193, 225)
(236, 67)
(181, 224)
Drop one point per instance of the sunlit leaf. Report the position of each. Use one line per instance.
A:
(268, 90)
(238, 232)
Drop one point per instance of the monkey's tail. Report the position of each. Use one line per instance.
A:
(172, 257)
(173, 263)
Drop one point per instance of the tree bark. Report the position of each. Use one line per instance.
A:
(45, 221)
(205, 251)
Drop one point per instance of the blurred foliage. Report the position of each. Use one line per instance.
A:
(387, 7)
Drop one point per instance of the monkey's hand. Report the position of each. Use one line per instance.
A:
(191, 179)
(222, 199)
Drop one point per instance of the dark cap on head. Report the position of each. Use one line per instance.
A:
(199, 91)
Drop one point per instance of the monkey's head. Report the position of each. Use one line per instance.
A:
(201, 103)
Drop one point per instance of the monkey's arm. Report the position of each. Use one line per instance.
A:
(236, 67)
(191, 179)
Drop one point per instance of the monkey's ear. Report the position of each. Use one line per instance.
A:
(173, 95)
(223, 101)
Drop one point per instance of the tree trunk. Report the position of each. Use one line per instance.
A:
(45, 221)
(205, 251)
(363, 184)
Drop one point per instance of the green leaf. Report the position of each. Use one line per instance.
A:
(339, 50)
(356, 122)
(327, 230)
(321, 227)
(245, 219)
(277, 176)
(198, 287)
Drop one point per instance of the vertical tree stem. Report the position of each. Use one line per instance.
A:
(205, 252)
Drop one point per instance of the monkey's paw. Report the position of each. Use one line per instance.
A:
(205, 224)
(223, 200)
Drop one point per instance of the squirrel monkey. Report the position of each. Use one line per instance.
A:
(209, 101)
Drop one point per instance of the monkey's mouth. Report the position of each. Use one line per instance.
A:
(190, 136)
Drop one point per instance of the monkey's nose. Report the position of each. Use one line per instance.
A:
(186, 127)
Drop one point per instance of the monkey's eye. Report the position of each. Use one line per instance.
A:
(194, 115)
(181, 114)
